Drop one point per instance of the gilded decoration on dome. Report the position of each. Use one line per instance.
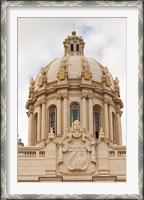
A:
(87, 74)
(40, 81)
(61, 74)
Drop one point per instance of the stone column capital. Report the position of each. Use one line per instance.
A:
(43, 100)
(84, 96)
(65, 96)
(90, 97)
(31, 110)
(118, 111)
(59, 97)
(108, 101)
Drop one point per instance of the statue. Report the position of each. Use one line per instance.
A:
(106, 78)
(31, 88)
(117, 88)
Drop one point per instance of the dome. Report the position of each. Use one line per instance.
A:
(78, 81)
(75, 65)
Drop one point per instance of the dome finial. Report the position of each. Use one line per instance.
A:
(73, 32)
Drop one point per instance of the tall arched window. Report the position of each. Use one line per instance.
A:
(35, 126)
(52, 118)
(74, 113)
(71, 47)
(114, 127)
(96, 118)
(77, 47)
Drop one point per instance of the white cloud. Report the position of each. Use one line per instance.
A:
(40, 40)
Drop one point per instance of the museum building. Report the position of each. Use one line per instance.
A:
(74, 130)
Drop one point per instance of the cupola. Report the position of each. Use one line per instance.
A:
(74, 45)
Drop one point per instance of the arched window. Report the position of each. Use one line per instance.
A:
(74, 113)
(96, 118)
(35, 126)
(71, 47)
(114, 127)
(52, 118)
(77, 47)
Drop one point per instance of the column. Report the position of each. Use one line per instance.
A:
(39, 123)
(43, 120)
(30, 128)
(65, 118)
(119, 133)
(106, 125)
(90, 116)
(110, 124)
(84, 112)
(74, 47)
(59, 116)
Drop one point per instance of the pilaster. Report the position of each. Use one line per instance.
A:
(90, 115)
(84, 112)
(44, 120)
(30, 127)
(118, 122)
(106, 122)
(39, 123)
(65, 118)
(59, 115)
(110, 124)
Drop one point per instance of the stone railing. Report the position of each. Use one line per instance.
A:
(30, 154)
(111, 153)
(74, 80)
(117, 153)
(121, 153)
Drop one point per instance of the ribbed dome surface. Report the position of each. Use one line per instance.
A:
(74, 65)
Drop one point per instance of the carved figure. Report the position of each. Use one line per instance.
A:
(117, 88)
(61, 74)
(31, 88)
(87, 74)
(106, 78)
(41, 77)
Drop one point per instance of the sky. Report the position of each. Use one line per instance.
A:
(40, 41)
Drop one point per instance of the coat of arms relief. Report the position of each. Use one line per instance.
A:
(77, 151)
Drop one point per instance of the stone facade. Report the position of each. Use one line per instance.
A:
(74, 131)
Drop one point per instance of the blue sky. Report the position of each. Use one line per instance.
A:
(40, 40)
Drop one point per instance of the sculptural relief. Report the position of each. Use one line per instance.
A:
(77, 151)
(106, 77)
(87, 74)
(61, 74)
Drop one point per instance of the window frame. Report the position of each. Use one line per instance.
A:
(49, 119)
(36, 127)
(74, 103)
(96, 135)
